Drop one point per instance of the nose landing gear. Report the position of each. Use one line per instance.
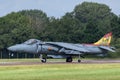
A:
(43, 58)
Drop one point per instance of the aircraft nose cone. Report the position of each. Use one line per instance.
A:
(15, 48)
(23, 48)
(9, 48)
(12, 48)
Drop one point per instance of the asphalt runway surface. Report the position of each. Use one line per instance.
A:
(56, 62)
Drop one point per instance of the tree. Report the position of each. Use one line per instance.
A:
(95, 17)
(20, 26)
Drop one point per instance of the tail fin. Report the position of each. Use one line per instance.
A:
(105, 40)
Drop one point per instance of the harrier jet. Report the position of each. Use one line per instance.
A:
(66, 50)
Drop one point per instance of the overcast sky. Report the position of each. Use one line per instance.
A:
(56, 8)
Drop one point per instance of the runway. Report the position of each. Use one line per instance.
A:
(57, 62)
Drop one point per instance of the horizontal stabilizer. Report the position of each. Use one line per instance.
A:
(107, 48)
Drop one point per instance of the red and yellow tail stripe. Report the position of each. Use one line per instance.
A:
(105, 40)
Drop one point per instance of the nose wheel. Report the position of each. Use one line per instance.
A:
(43, 58)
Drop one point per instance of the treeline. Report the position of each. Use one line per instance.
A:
(87, 23)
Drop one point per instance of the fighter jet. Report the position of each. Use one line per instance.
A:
(63, 49)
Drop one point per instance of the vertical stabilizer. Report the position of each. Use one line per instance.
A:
(105, 40)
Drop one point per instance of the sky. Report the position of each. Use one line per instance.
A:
(56, 8)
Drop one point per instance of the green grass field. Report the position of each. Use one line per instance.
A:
(70, 71)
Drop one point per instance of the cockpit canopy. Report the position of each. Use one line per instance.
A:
(33, 41)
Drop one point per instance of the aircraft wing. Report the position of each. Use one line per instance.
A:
(107, 48)
(68, 48)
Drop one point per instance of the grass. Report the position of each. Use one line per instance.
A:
(70, 71)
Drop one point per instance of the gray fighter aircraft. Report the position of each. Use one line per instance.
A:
(66, 50)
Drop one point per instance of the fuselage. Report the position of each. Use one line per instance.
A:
(59, 49)
(64, 49)
(50, 49)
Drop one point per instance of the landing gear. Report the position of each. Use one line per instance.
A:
(43, 58)
(79, 59)
(69, 59)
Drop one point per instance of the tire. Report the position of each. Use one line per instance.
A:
(43, 60)
(69, 59)
(79, 61)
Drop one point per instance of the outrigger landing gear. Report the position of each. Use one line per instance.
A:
(43, 58)
(79, 59)
(69, 59)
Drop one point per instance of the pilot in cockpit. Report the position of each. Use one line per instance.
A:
(32, 41)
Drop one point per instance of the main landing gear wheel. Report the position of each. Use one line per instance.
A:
(79, 61)
(69, 59)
